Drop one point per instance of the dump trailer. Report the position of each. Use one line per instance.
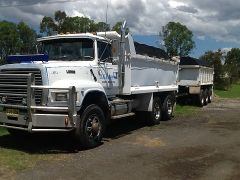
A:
(195, 79)
(81, 82)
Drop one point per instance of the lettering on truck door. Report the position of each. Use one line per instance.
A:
(107, 71)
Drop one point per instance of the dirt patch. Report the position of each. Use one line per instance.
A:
(190, 162)
(204, 145)
(148, 141)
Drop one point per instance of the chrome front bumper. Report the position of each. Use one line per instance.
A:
(35, 118)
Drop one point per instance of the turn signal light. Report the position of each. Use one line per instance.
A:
(66, 120)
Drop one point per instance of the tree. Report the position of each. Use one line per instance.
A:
(117, 27)
(102, 26)
(16, 38)
(232, 64)
(60, 17)
(63, 23)
(178, 39)
(47, 25)
(27, 38)
(221, 80)
(9, 39)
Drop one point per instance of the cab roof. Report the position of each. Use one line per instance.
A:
(78, 35)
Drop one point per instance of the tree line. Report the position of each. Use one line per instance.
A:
(16, 38)
(178, 41)
(226, 67)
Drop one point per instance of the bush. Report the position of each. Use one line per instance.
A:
(223, 84)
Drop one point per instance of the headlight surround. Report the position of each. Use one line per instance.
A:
(61, 96)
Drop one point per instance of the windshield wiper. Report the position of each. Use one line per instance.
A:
(81, 58)
(87, 57)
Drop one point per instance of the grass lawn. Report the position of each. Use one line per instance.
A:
(3, 131)
(233, 92)
(186, 110)
(18, 153)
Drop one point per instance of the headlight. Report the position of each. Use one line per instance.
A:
(60, 96)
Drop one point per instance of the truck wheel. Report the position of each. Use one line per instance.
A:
(200, 98)
(205, 96)
(155, 115)
(90, 129)
(209, 96)
(168, 107)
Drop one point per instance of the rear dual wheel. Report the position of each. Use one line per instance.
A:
(201, 98)
(160, 110)
(204, 97)
(168, 107)
(155, 115)
(210, 95)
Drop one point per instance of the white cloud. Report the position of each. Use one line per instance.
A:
(175, 4)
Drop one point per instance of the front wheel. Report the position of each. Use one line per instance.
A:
(91, 127)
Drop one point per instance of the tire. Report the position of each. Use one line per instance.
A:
(205, 97)
(168, 107)
(155, 115)
(90, 129)
(200, 98)
(210, 95)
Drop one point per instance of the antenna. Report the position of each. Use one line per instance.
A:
(106, 20)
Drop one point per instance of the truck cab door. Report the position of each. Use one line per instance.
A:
(107, 70)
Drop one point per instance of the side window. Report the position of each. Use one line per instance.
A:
(104, 51)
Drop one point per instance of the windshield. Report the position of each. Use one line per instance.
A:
(68, 49)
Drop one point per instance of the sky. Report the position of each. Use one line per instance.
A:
(215, 24)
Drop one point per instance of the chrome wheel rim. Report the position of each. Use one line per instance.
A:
(157, 111)
(93, 127)
(202, 100)
(169, 107)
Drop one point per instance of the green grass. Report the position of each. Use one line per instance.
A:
(186, 110)
(20, 153)
(3, 131)
(233, 92)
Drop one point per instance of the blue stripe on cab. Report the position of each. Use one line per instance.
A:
(27, 58)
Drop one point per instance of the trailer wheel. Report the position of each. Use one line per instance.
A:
(201, 98)
(168, 107)
(91, 127)
(155, 115)
(205, 96)
(210, 96)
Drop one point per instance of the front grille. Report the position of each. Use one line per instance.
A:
(20, 82)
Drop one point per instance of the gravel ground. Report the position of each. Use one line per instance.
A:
(205, 145)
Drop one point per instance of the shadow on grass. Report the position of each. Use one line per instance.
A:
(187, 100)
(47, 143)
(58, 143)
(125, 126)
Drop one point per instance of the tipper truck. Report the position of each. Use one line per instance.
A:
(80, 82)
(195, 79)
